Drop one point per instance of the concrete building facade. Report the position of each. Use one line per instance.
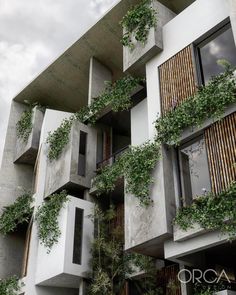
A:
(180, 55)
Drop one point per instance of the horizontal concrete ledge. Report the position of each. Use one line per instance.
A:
(175, 250)
(182, 235)
(226, 292)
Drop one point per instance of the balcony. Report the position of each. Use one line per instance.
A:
(69, 259)
(133, 59)
(75, 168)
(26, 151)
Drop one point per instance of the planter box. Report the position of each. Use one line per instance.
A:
(182, 235)
(69, 259)
(133, 59)
(76, 165)
(26, 151)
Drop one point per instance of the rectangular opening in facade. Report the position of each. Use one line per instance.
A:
(82, 153)
(78, 234)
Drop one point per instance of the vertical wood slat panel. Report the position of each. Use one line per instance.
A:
(177, 79)
(220, 141)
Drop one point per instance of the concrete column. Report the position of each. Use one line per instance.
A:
(232, 9)
(186, 288)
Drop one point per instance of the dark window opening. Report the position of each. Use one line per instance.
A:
(78, 234)
(82, 153)
(194, 170)
(220, 45)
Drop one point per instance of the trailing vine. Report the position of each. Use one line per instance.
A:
(209, 102)
(137, 22)
(136, 166)
(24, 125)
(47, 219)
(17, 213)
(212, 212)
(116, 95)
(9, 286)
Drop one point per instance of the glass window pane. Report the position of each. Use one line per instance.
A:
(194, 169)
(221, 47)
(78, 234)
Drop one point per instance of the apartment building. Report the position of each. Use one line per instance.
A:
(180, 55)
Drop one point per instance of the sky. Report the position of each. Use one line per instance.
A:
(32, 35)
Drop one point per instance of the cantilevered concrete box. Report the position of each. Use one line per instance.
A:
(26, 151)
(133, 59)
(69, 259)
(76, 166)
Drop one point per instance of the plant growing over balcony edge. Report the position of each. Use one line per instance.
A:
(136, 166)
(47, 219)
(137, 23)
(17, 213)
(10, 286)
(117, 95)
(212, 212)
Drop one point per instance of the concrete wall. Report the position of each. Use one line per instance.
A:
(63, 172)
(13, 180)
(26, 151)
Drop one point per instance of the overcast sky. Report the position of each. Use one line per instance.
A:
(32, 35)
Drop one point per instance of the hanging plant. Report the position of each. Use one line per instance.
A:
(24, 126)
(137, 22)
(17, 213)
(116, 95)
(9, 286)
(209, 102)
(212, 212)
(47, 219)
(136, 166)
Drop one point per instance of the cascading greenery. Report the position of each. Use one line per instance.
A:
(209, 102)
(17, 213)
(212, 212)
(47, 219)
(9, 286)
(109, 262)
(24, 125)
(116, 96)
(137, 23)
(136, 165)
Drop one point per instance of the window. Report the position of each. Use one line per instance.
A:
(195, 177)
(220, 45)
(78, 234)
(82, 153)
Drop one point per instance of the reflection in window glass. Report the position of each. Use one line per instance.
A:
(78, 234)
(194, 170)
(221, 47)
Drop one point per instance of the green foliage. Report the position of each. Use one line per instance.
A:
(17, 213)
(47, 219)
(208, 289)
(138, 22)
(136, 166)
(24, 125)
(110, 264)
(59, 139)
(116, 95)
(212, 212)
(209, 102)
(9, 286)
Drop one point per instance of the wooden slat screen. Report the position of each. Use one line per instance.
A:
(177, 79)
(167, 279)
(220, 141)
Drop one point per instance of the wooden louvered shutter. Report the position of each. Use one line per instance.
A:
(177, 79)
(220, 141)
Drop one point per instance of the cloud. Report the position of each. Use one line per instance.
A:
(32, 35)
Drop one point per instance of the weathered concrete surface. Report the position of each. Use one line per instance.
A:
(63, 172)
(98, 74)
(26, 151)
(13, 179)
(133, 59)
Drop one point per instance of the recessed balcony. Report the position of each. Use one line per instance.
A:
(76, 165)
(69, 259)
(26, 150)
